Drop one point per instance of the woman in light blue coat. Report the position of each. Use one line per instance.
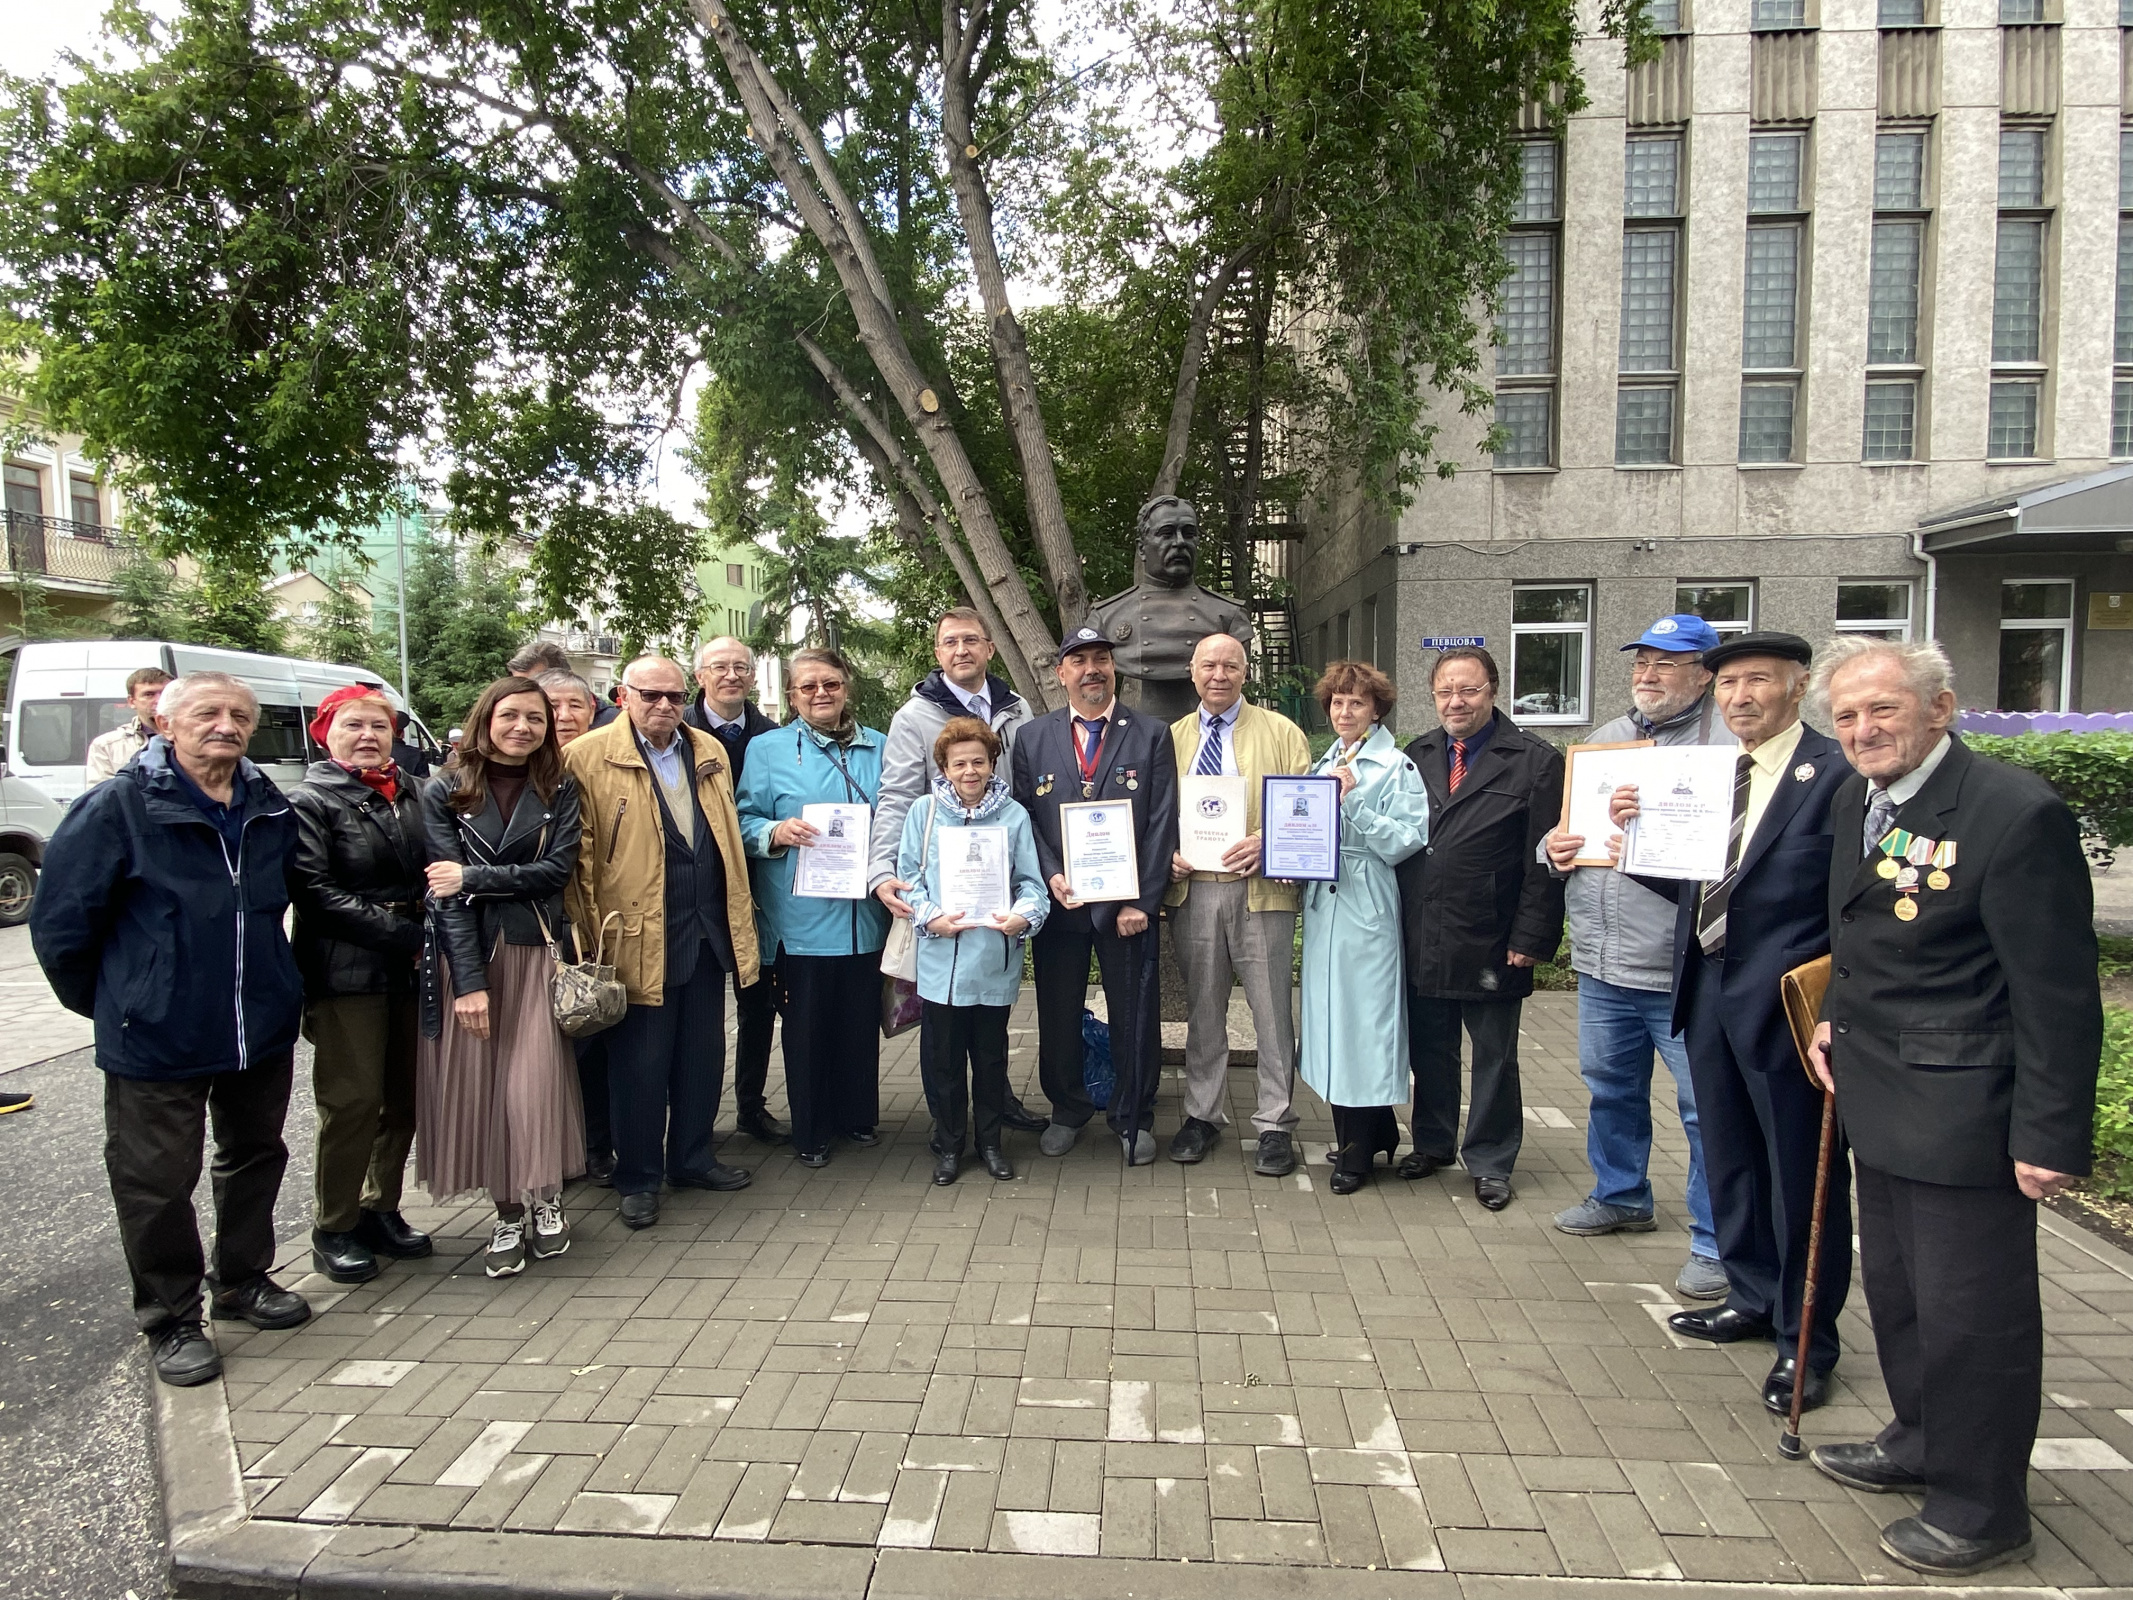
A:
(828, 952)
(969, 971)
(1353, 1035)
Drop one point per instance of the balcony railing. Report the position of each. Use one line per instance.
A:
(64, 551)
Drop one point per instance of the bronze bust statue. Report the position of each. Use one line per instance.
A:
(1156, 623)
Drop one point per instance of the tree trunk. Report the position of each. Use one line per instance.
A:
(1010, 350)
(1191, 359)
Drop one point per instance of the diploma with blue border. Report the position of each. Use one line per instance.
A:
(1300, 828)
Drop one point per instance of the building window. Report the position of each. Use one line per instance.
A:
(2016, 12)
(25, 491)
(2018, 298)
(85, 505)
(1770, 317)
(1895, 271)
(1551, 648)
(1764, 14)
(1880, 607)
(1664, 16)
(734, 575)
(1727, 607)
(1651, 280)
(2036, 645)
(2122, 379)
(1901, 13)
(1526, 327)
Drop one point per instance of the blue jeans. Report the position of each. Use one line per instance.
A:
(1618, 1029)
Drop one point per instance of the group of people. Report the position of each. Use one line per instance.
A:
(1961, 1036)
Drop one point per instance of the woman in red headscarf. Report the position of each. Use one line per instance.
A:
(356, 880)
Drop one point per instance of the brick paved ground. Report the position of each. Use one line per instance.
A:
(1181, 1363)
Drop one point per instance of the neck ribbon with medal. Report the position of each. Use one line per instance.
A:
(1903, 854)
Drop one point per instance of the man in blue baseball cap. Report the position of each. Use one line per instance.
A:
(1622, 945)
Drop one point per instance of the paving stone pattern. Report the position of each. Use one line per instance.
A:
(1174, 1363)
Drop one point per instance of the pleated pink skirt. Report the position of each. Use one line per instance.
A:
(500, 1113)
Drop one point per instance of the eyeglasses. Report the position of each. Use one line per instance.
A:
(728, 669)
(1446, 696)
(657, 697)
(1666, 668)
(829, 686)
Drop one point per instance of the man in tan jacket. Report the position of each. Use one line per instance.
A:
(660, 851)
(1234, 923)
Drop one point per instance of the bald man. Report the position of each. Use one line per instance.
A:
(1234, 925)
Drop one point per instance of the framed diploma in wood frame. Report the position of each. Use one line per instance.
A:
(1591, 773)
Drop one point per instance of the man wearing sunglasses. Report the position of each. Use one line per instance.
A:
(660, 843)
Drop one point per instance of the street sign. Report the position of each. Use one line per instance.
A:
(1470, 641)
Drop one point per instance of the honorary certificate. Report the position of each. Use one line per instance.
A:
(1300, 828)
(1096, 840)
(973, 873)
(1210, 819)
(1591, 773)
(1684, 820)
(834, 867)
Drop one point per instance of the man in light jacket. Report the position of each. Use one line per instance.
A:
(1234, 925)
(1622, 945)
(110, 751)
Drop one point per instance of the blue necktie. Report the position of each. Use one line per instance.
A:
(1210, 763)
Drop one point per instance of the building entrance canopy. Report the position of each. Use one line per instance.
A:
(2090, 515)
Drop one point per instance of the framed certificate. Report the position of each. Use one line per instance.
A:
(1300, 828)
(1210, 819)
(1591, 774)
(973, 873)
(1097, 848)
(834, 867)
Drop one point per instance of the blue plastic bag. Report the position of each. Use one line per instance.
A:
(1097, 1076)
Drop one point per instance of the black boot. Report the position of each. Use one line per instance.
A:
(386, 1233)
(343, 1257)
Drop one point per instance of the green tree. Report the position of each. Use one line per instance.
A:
(465, 620)
(346, 629)
(150, 605)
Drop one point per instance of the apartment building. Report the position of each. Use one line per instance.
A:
(60, 522)
(1822, 321)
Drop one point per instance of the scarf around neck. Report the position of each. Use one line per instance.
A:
(384, 780)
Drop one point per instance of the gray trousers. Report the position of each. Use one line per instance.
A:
(1218, 939)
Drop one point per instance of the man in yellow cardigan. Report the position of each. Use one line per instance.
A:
(1235, 924)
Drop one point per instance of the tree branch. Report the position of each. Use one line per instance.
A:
(1190, 361)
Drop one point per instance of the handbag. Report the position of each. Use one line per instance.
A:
(1802, 989)
(901, 1008)
(585, 996)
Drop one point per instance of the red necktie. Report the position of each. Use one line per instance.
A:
(1458, 764)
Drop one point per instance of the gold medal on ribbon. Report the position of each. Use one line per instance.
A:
(1887, 867)
(1936, 879)
(1906, 908)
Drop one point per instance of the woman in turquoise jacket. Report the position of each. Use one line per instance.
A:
(828, 952)
(968, 971)
(1353, 1035)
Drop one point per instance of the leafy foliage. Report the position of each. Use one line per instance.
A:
(227, 607)
(2093, 773)
(2113, 1177)
(346, 631)
(465, 620)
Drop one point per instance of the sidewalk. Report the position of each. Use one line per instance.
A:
(1197, 1381)
(34, 1026)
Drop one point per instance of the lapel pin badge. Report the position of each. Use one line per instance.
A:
(1802, 772)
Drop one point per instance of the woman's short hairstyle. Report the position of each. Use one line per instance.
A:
(1355, 677)
(965, 730)
(821, 656)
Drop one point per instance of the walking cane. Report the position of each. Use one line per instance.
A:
(1802, 990)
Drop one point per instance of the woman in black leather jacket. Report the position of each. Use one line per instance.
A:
(355, 879)
(498, 1105)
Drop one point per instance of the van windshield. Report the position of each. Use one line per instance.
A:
(56, 733)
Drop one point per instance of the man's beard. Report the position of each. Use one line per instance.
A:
(1670, 704)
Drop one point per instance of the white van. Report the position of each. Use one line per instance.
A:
(62, 694)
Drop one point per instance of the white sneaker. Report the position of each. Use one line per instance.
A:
(507, 1249)
(551, 1232)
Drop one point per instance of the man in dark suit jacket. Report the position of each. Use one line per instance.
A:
(725, 678)
(1961, 1034)
(1478, 909)
(1093, 748)
(1734, 939)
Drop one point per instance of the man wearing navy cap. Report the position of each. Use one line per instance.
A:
(1622, 945)
(1093, 748)
(1734, 939)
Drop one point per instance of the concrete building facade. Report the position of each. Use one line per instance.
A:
(1822, 320)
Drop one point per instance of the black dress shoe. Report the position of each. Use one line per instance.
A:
(600, 1170)
(1865, 1466)
(812, 1158)
(996, 1163)
(1722, 1326)
(716, 1176)
(1277, 1155)
(1777, 1388)
(1493, 1193)
(865, 1138)
(640, 1210)
(762, 1127)
(386, 1233)
(183, 1354)
(1924, 1548)
(1346, 1180)
(1417, 1165)
(263, 1303)
(946, 1167)
(1193, 1140)
(343, 1257)
(1023, 1120)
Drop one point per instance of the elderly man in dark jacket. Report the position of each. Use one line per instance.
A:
(356, 879)
(160, 915)
(1479, 909)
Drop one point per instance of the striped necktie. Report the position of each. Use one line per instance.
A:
(1711, 909)
(1880, 813)
(1458, 764)
(1209, 765)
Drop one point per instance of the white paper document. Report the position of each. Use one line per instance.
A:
(1096, 840)
(1684, 819)
(834, 867)
(973, 873)
(1591, 775)
(1210, 819)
